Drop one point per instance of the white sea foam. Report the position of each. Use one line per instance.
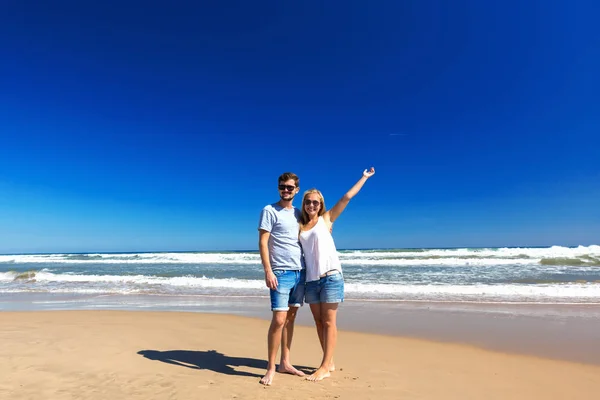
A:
(187, 284)
(582, 255)
(77, 290)
(7, 276)
(505, 252)
(589, 291)
(182, 281)
(449, 262)
(140, 258)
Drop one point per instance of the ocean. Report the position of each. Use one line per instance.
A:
(550, 275)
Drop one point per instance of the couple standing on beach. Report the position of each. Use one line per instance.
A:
(300, 261)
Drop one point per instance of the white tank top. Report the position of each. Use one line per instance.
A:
(319, 249)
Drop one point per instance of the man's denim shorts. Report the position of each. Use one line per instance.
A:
(290, 289)
(328, 289)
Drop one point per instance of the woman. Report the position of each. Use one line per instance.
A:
(324, 280)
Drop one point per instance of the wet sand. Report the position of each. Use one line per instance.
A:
(568, 332)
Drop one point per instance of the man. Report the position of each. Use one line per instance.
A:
(281, 257)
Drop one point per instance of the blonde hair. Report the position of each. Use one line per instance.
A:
(304, 217)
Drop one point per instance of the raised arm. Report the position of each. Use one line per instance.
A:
(336, 210)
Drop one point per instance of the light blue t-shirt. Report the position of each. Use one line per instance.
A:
(284, 247)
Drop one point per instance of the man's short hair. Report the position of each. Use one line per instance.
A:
(286, 176)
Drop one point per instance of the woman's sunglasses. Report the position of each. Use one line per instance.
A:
(313, 202)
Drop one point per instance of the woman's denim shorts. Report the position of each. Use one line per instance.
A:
(328, 289)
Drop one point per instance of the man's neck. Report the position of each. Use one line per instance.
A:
(285, 203)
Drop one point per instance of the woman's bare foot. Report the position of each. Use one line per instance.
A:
(268, 378)
(332, 367)
(289, 369)
(319, 375)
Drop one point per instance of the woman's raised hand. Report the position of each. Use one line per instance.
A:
(369, 173)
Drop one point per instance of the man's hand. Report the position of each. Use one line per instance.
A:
(271, 280)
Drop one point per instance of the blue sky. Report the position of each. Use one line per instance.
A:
(156, 126)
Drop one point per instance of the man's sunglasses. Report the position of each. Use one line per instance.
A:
(313, 202)
(289, 188)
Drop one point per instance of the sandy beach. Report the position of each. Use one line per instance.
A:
(179, 355)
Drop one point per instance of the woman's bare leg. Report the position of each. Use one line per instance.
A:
(316, 312)
(328, 337)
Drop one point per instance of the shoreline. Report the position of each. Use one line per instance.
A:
(562, 332)
(155, 355)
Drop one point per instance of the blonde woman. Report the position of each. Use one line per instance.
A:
(324, 280)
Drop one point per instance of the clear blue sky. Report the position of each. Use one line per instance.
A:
(147, 126)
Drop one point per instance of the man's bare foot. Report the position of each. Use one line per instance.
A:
(332, 367)
(319, 375)
(289, 369)
(268, 378)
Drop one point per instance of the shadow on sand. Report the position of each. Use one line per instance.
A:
(211, 360)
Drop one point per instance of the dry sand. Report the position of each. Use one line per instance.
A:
(173, 355)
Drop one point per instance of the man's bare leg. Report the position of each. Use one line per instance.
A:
(329, 319)
(285, 366)
(273, 343)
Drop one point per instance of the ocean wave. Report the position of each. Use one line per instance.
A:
(19, 275)
(570, 293)
(506, 253)
(139, 258)
(182, 281)
(79, 283)
(556, 255)
(582, 290)
(584, 260)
